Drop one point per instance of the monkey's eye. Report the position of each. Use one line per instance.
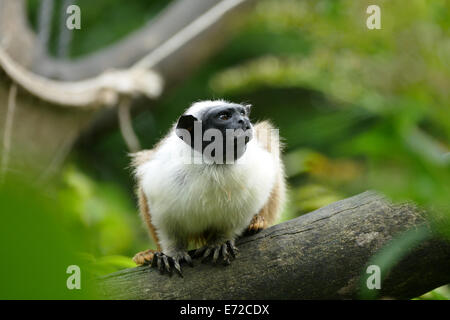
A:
(224, 116)
(243, 113)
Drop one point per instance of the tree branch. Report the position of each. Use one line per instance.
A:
(95, 92)
(321, 255)
(13, 22)
(184, 25)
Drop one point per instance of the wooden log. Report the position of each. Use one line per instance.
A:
(320, 255)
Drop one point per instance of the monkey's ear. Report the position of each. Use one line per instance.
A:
(248, 108)
(186, 123)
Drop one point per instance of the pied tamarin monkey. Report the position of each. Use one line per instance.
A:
(214, 201)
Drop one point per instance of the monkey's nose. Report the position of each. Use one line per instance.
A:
(244, 124)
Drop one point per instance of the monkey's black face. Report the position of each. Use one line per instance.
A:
(227, 118)
(221, 134)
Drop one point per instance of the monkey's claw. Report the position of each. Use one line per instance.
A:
(165, 263)
(227, 251)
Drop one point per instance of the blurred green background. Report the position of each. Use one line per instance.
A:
(359, 109)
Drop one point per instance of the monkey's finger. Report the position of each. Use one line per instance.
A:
(232, 245)
(206, 254)
(199, 252)
(166, 264)
(233, 249)
(159, 263)
(226, 261)
(177, 267)
(216, 254)
(262, 223)
(153, 262)
(188, 259)
(225, 253)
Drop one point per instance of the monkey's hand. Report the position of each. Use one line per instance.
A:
(227, 251)
(257, 224)
(163, 262)
(144, 257)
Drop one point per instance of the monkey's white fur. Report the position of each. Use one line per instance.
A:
(185, 200)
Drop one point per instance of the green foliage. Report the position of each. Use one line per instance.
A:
(38, 242)
(441, 293)
(107, 218)
(398, 75)
(73, 221)
(101, 208)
